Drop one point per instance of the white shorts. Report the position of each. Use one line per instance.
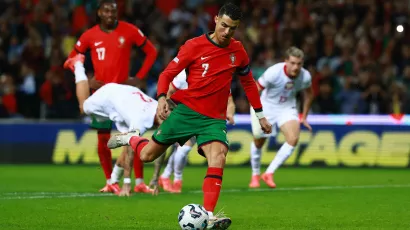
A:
(276, 118)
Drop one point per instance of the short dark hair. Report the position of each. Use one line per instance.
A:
(230, 10)
(102, 2)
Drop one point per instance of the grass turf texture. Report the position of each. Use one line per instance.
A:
(66, 197)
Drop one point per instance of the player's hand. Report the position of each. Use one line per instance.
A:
(95, 84)
(306, 124)
(266, 126)
(230, 119)
(171, 104)
(136, 82)
(163, 108)
(125, 190)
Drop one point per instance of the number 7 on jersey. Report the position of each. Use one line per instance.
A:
(206, 67)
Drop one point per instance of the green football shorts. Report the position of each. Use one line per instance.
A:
(100, 125)
(184, 123)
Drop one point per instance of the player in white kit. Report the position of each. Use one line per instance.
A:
(127, 106)
(279, 85)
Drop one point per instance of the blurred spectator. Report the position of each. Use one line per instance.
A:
(57, 95)
(359, 62)
(325, 102)
(8, 103)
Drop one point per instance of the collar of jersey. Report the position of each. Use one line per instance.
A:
(212, 41)
(105, 31)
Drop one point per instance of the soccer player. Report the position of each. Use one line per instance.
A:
(125, 105)
(211, 60)
(279, 85)
(177, 160)
(110, 43)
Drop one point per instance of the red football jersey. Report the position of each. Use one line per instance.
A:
(210, 69)
(110, 51)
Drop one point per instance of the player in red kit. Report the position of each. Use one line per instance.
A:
(110, 43)
(210, 60)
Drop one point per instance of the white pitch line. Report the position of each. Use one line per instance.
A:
(45, 195)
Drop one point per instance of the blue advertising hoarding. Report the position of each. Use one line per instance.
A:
(350, 141)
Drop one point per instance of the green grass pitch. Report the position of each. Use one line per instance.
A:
(66, 197)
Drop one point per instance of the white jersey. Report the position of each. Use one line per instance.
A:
(125, 105)
(179, 81)
(280, 90)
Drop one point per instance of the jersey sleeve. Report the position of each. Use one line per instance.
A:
(180, 62)
(248, 82)
(137, 35)
(266, 79)
(179, 81)
(83, 43)
(307, 80)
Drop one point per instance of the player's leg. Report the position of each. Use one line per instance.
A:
(256, 150)
(104, 153)
(82, 88)
(153, 184)
(215, 153)
(140, 185)
(256, 153)
(181, 155)
(117, 173)
(213, 144)
(290, 127)
(164, 180)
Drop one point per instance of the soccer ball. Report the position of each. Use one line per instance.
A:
(193, 217)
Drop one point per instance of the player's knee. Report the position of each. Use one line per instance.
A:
(292, 140)
(217, 158)
(146, 157)
(259, 142)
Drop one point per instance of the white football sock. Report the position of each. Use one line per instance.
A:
(170, 165)
(139, 181)
(79, 72)
(255, 159)
(284, 152)
(210, 214)
(180, 160)
(116, 174)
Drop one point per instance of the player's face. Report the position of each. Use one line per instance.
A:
(293, 66)
(225, 28)
(108, 14)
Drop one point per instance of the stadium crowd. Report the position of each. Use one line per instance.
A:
(358, 52)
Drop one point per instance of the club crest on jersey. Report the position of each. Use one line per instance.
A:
(289, 85)
(121, 40)
(233, 58)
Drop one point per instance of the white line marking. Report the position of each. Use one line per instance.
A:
(45, 195)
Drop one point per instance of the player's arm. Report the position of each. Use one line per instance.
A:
(128, 163)
(172, 89)
(82, 93)
(252, 93)
(82, 45)
(147, 47)
(250, 87)
(230, 110)
(179, 82)
(308, 97)
(180, 62)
